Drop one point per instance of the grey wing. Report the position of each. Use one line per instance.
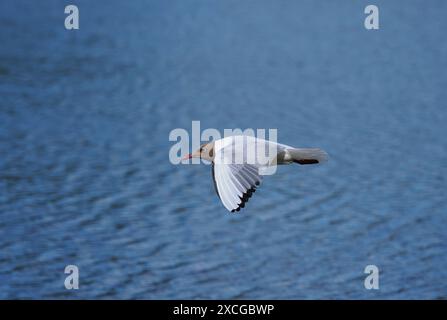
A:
(235, 183)
(247, 149)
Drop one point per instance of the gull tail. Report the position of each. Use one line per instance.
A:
(308, 155)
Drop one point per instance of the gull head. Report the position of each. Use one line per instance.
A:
(206, 151)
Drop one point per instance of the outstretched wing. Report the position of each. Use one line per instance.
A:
(237, 168)
(235, 183)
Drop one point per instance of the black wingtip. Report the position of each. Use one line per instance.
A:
(306, 161)
(245, 197)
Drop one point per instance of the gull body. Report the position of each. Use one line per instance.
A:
(239, 162)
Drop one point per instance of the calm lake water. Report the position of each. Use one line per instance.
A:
(85, 177)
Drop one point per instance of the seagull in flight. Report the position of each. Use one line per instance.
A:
(239, 162)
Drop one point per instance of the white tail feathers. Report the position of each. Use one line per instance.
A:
(308, 155)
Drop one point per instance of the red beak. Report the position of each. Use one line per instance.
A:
(188, 156)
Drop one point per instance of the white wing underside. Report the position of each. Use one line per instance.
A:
(236, 171)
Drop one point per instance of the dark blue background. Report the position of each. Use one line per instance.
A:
(85, 177)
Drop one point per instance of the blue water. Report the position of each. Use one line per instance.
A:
(85, 177)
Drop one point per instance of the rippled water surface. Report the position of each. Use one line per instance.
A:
(85, 177)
